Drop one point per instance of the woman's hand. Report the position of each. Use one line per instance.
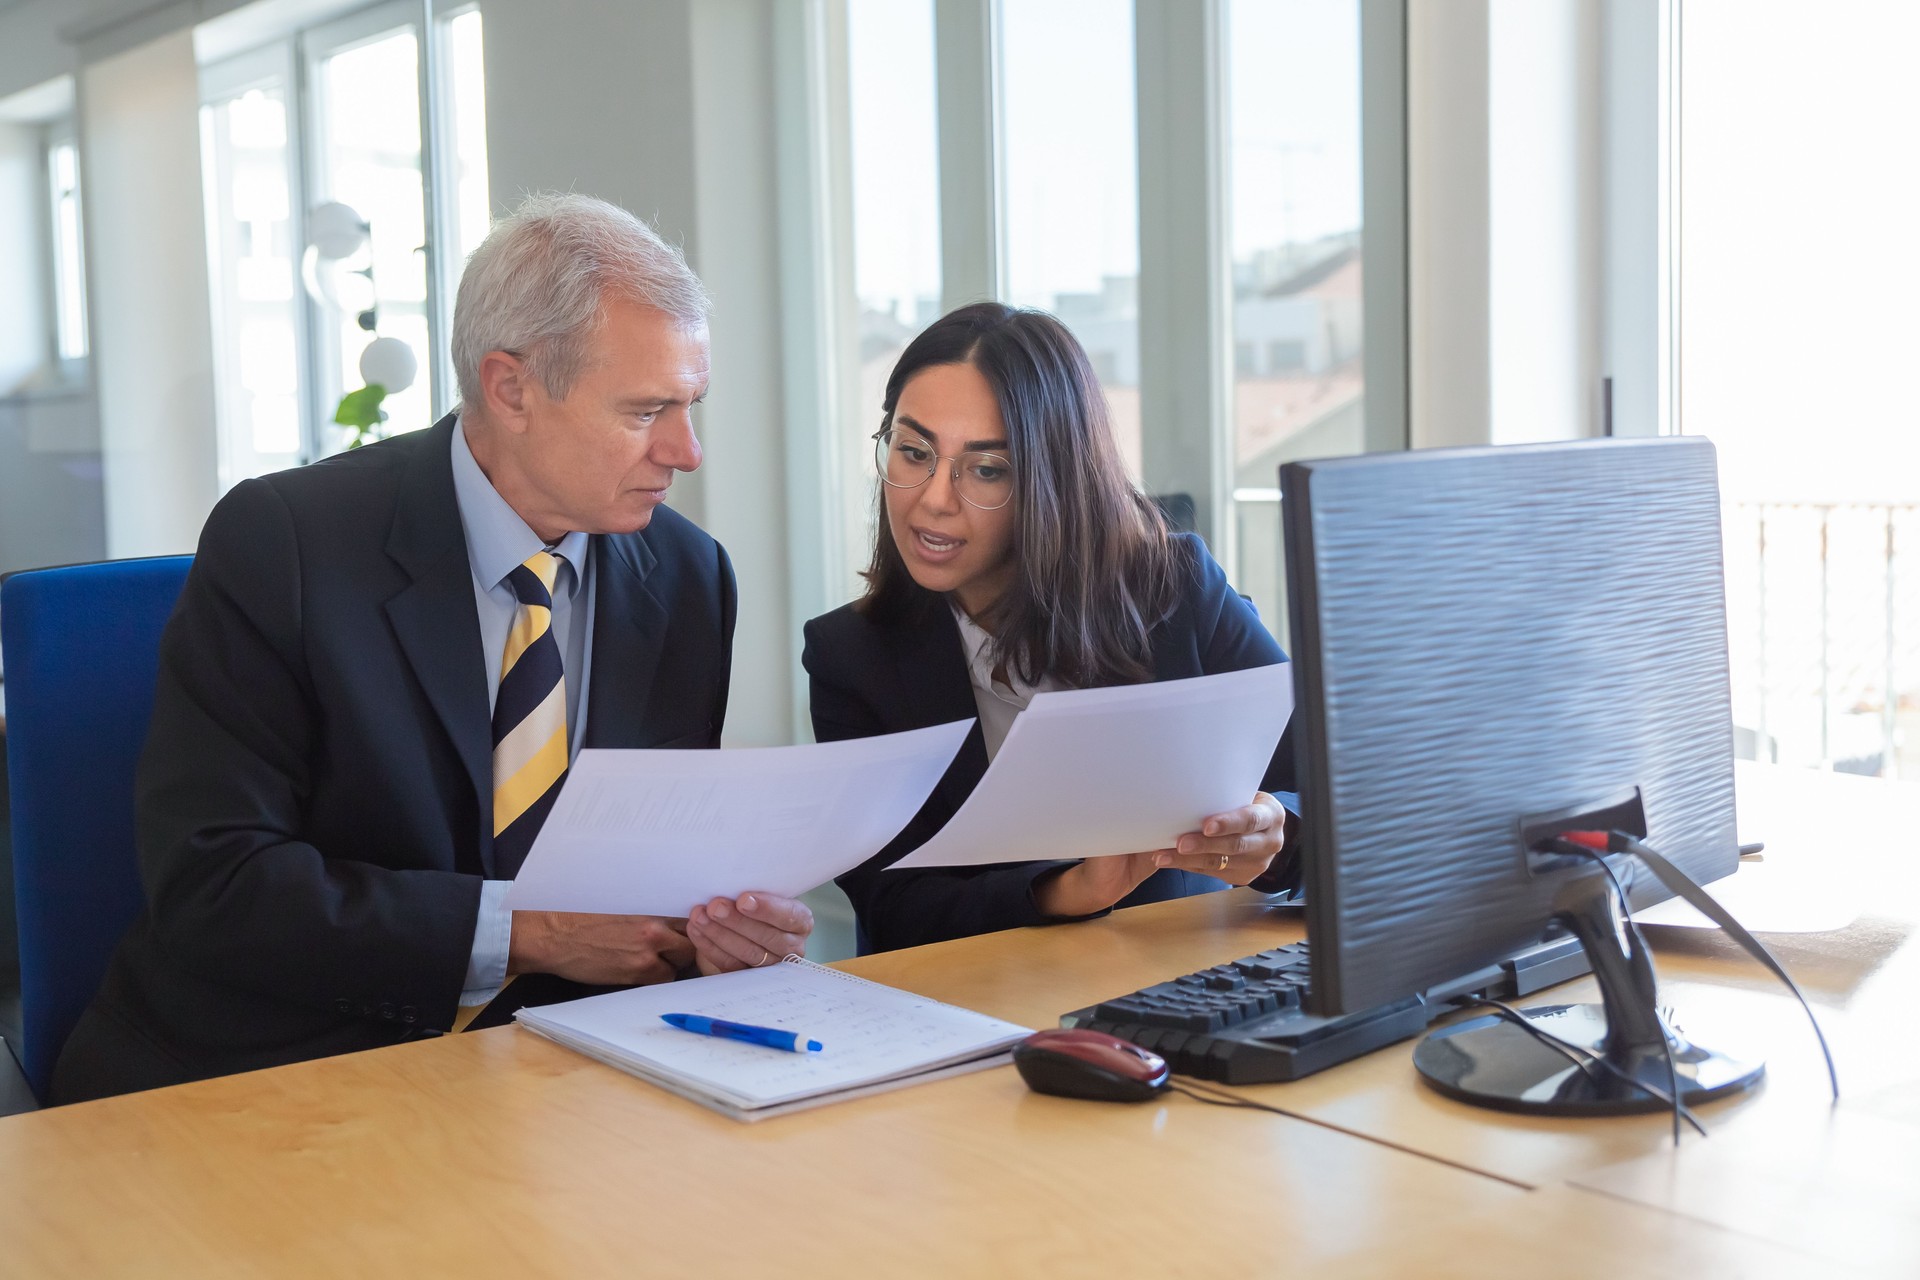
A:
(749, 931)
(1236, 847)
(1095, 884)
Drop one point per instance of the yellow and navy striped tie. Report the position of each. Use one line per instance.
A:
(529, 717)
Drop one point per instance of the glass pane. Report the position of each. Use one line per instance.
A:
(466, 80)
(251, 266)
(1073, 224)
(69, 261)
(369, 130)
(896, 224)
(1294, 139)
(1819, 461)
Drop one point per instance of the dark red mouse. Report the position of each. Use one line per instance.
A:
(1079, 1063)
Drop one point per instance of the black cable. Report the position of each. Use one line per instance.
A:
(1571, 1051)
(1215, 1096)
(1681, 883)
(1640, 949)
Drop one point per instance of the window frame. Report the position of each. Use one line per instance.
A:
(221, 82)
(315, 45)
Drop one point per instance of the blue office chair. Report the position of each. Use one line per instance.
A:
(82, 646)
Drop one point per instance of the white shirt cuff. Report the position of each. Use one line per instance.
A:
(492, 935)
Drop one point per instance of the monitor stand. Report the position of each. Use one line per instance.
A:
(1491, 1062)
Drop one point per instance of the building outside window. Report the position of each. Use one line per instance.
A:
(1298, 326)
(1072, 189)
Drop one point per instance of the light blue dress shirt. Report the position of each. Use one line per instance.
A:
(498, 541)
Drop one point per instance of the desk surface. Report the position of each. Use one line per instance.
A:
(498, 1152)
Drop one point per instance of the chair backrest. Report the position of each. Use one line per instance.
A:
(82, 646)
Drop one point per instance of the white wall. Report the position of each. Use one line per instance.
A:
(1450, 400)
(666, 109)
(24, 341)
(1543, 161)
(736, 245)
(1507, 220)
(1635, 261)
(147, 286)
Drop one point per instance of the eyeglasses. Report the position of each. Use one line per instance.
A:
(907, 461)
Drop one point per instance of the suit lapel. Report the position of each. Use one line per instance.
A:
(435, 619)
(629, 630)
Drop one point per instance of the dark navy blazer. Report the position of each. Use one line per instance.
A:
(870, 678)
(315, 801)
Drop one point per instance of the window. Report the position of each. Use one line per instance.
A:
(70, 281)
(467, 208)
(292, 321)
(364, 82)
(1294, 156)
(985, 163)
(1072, 194)
(246, 163)
(896, 225)
(1797, 220)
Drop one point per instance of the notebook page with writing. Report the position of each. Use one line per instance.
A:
(874, 1035)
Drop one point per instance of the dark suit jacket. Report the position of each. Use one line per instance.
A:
(871, 678)
(314, 800)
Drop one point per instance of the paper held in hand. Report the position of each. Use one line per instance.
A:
(655, 832)
(1085, 773)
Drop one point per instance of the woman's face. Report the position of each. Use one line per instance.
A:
(948, 543)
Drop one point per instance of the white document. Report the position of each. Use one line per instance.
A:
(875, 1037)
(1085, 773)
(655, 832)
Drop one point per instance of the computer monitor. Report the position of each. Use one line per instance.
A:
(1492, 645)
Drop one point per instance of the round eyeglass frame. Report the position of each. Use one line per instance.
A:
(880, 454)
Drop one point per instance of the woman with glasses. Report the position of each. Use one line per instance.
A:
(1013, 556)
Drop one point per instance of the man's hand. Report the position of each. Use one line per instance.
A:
(605, 951)
(748, 931)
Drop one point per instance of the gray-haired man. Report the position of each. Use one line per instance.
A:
(382, 664)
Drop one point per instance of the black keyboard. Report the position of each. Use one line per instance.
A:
(1243, 1022)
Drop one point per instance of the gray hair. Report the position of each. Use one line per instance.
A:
(538, 285)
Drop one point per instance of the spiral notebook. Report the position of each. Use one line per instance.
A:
(876, 1037)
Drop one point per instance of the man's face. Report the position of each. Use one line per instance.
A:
(600, 459)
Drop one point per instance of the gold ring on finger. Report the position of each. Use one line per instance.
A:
(1223, 862)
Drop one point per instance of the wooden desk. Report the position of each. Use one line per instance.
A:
(499, 1153)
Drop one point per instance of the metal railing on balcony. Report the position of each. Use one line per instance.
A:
(1823, 622)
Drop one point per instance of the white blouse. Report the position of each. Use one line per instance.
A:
(998, 701)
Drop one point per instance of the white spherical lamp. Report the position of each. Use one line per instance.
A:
(389, 363)
(336, 230)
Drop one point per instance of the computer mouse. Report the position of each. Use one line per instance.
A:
(1078, 1063)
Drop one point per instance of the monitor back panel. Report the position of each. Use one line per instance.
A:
(1482, 635)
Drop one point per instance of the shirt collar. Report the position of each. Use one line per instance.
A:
(976, 641)
(498, 540)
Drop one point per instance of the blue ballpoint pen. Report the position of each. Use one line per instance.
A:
(771, 1037)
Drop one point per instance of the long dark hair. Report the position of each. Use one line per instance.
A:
(1095, 569)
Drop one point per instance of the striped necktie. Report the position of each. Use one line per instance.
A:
(529, 717)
